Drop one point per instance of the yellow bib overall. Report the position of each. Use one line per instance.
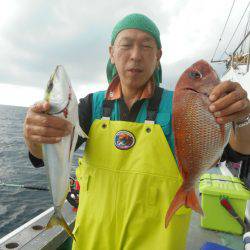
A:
(125, 193)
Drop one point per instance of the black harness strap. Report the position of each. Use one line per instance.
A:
(107, 108)
(153, 105)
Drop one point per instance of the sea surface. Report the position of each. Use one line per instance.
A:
(19, 205)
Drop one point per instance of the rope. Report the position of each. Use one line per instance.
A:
(225, 51)
(223, 30)
(244, 35)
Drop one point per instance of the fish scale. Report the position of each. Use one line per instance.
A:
(199, 140)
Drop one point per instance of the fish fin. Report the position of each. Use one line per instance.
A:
(56, 220)
(193, 202)
(178, 201)
(183, 197)
(79, 131)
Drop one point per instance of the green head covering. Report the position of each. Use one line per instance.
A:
(140, 22)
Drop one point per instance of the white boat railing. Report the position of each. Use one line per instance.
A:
(32, 235)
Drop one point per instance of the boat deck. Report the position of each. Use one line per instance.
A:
(198, 236)
(32, 235)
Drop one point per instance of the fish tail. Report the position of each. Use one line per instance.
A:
(57, 219)
(193, 202)
(183, 197)
(178, 201)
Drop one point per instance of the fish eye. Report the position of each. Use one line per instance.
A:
(195, 75)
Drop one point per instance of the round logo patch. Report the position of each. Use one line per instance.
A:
(124, 140)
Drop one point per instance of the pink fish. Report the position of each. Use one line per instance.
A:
(199, 140)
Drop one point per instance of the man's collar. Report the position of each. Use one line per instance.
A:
(114, 91)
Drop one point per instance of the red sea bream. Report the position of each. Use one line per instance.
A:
(199, 139)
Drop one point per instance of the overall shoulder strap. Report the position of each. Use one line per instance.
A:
(107, 108)
(153, 105)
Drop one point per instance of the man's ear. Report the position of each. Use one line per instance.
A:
(159, 54)
(111, 54)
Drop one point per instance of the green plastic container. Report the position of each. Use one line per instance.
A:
(212, 188)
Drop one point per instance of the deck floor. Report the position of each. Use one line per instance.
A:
(198, 236)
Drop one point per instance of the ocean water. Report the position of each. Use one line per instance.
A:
(18, 205)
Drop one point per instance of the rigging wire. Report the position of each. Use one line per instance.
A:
(244, 35)
(223, 30)
(225, 51)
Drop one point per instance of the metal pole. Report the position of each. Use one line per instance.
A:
(248, 57)
(242, 41)
(218, 61)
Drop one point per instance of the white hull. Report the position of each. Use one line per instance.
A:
(32, 234)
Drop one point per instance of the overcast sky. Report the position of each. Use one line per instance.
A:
(37, 35)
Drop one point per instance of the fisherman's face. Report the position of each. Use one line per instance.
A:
(135, 55)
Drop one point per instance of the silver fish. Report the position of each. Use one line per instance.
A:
(58, 157)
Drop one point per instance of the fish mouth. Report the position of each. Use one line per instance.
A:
(202, 93)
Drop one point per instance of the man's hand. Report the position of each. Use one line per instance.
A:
(229, 102)
(40, 127)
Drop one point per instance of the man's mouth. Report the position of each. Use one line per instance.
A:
(135, 70)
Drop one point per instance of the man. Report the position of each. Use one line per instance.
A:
(128, 175)
(73, 195)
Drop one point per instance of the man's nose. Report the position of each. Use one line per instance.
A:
(136, 53)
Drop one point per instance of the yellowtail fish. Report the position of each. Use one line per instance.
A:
(58, 157)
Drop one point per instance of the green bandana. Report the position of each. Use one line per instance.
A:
(140, 22)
